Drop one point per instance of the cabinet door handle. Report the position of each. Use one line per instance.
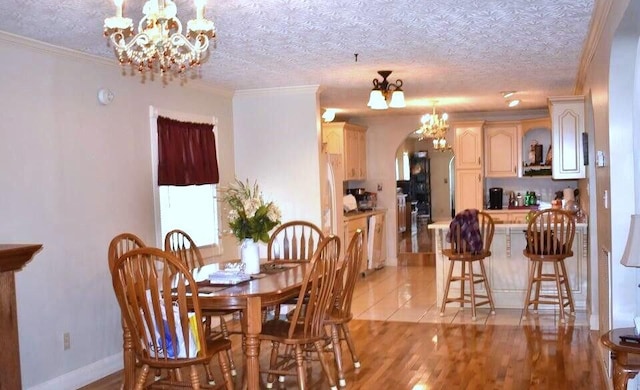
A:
(479, 177)
(515, 168)
(478, 160)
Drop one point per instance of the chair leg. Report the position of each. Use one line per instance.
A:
(325, 365)
(195, 379)
(472, 288)
(565, 279)
(486, 287)
(538, 279)
(275, 346)
(144, 372)
(225, 333)
(225, 367)
(559, 287)
(351, 345)
(337, 353)
(527, 298)
(207, 370)
(302, 382)
(446, 289)
(462, 274)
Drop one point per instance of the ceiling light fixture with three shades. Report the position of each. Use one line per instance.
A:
(381, 91)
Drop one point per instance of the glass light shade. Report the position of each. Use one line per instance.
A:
(329, 115)
(513, 103)
(631, 255)
(397, 99)
(377, 101)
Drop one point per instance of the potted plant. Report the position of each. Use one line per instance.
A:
(250, 220)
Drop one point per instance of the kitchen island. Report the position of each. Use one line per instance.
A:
(508, 269)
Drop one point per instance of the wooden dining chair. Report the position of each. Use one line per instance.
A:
(339, 314)
(294, 241)
(181, 245)
(303, 332)
(155, 292)
(470, 236)
(119, 245)
(549, 236)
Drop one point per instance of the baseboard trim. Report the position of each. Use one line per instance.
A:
(83, 375)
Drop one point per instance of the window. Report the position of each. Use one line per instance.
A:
(192, 208)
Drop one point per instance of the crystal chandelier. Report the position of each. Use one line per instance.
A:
(435, 127)
(159, 43)
(382, 89)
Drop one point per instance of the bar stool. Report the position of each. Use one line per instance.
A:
(549, 237)
(470, 235)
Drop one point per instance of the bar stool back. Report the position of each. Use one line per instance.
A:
(549, 236)
(470, 236)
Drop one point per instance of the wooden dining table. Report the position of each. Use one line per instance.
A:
(278, 283)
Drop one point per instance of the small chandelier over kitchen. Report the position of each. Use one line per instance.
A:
(382, 89)
(159, 44)
(435, 127)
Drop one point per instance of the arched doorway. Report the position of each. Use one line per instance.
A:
(424, 185)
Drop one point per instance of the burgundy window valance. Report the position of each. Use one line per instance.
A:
(186, 153)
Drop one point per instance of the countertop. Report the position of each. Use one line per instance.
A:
(438, 225)
(361, 214)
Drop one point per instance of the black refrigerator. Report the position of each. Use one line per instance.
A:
(420, 179)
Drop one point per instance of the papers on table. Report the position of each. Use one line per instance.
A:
(228, 277)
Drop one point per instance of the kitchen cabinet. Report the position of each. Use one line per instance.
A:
(350, 227)
(402, 213)
(468, 145)
(502, 149)
(567, 125)
(469, 192)
(469, 189)
(350, 141)
(374, 249)
(379, 252)
(509, 216)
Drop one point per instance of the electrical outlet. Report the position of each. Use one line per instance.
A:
(66, 340)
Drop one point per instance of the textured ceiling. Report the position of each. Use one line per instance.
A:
(461, 53)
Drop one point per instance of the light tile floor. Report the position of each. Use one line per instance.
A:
(408, 294)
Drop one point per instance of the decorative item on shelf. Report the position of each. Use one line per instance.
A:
(631, 258)
(250, 220)
(381, 90)
(159, 44)
(435, 127)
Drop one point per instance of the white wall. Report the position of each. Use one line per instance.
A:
(74, 174)
(624, 184)
(277, 144)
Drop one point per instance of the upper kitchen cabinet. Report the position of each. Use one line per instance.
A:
(468, 162)
(567, 126)
(468, 145)
(350, 141)
(502, 149)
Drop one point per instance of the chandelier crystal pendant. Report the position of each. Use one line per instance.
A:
(381, 91)
(435, 127)
(159, 44)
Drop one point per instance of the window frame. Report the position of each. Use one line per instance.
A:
(216, 248)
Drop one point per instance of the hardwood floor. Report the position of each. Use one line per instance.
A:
(420, 356)
(403, 343)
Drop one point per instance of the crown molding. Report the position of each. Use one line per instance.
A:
(295, 90)
(596, 27)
